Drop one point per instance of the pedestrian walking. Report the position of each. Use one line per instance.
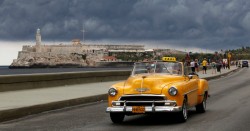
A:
(192, 65)
(213, 65)
(204, 66)
(224, 65)
(219, 66)
(196, 65)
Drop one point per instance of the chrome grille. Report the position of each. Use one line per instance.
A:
(143, 100)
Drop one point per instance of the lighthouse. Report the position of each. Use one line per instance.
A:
(38, 37)
(38, 40)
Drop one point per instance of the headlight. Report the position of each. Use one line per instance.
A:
(112, 91)
(172, 91)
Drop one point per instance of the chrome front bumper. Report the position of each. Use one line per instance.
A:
(147, 109)
(169, 106)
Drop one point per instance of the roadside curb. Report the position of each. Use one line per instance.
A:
(218, 76)
(11, 114)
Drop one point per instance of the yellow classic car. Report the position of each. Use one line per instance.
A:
(158, 87)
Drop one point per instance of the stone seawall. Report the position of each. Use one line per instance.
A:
(33, 81)
(76, 65)
(114, 64)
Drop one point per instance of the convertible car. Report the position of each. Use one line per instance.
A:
(158, 87)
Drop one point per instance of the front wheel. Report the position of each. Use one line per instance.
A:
(201, 108)
(183, 115)
(117, 117)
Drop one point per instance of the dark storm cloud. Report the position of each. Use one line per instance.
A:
(199, 23)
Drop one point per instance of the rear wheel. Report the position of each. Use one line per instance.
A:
(117, 117)
(183, 115)
(201, 108)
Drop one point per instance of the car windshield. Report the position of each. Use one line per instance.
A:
(173, 68)
(244, 62)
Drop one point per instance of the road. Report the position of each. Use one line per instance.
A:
(227, 110)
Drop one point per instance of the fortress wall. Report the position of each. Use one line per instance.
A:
(65, 50)
(72, 49)
(28, 48)
(23, 54)
(28, 55)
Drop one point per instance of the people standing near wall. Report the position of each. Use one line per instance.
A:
(219, 66)
(224, 65)
(204, 66)
(192, 65)
(213, 65)
(196, 65)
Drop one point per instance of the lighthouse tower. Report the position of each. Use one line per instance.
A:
(38, 37)
(38, 40)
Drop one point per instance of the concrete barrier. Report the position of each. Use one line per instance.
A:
(32, 81)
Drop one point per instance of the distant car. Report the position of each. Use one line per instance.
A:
(157, 87)
(244, 64)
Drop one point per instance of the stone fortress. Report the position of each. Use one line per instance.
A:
(75, 55)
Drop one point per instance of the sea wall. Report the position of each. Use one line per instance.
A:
(32, 81)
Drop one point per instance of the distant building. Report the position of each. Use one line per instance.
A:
(109, 58)
(76, 54)
(76, 42)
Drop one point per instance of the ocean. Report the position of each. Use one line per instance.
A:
(4, 67)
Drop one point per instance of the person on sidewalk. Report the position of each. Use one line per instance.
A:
(219, 66)
(192, 65)
(213, 65)
(196, 65)
(224, 65)
(204, 66)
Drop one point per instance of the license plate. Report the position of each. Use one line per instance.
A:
(138, 109)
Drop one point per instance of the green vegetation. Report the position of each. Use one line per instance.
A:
(134, 57)
(239, 54)
(236, 54)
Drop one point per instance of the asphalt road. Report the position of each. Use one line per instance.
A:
(7, 71)
(227, 110)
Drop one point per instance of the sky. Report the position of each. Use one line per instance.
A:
(182, 24)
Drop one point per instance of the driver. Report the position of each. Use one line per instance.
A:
(159, 68)
(176, 68)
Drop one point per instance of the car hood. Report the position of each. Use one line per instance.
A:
(149, 84)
